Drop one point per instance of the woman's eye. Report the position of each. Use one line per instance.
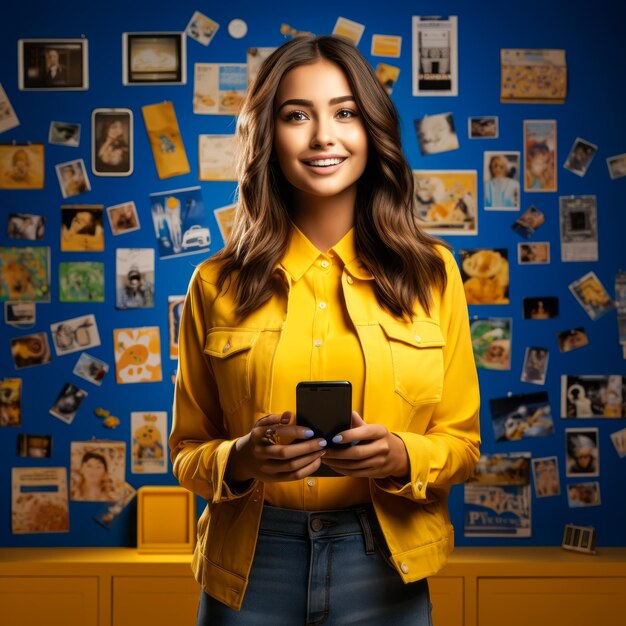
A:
(345, 114)
(296, 116)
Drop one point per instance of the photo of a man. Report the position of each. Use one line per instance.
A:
(53, 64)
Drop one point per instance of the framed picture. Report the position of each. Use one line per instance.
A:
(52, 64)
(154, 59)
(112, 142)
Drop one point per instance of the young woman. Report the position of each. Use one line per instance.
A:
(326, 276)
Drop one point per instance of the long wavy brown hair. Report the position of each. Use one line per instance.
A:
(390, 244)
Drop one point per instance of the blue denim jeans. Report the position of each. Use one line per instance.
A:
(322, 567)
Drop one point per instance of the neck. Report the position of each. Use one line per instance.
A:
(325, 221)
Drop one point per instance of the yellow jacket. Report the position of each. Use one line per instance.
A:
(421, 375)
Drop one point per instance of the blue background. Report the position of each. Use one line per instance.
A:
(593, 37)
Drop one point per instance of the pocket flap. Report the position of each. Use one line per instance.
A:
(420, 334)
(222, 343)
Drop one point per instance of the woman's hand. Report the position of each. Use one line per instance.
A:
(380, 454)
(255, 456)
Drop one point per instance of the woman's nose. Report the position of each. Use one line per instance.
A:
(323, 134)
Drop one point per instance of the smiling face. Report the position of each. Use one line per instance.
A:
(93, 471)
(320, 140)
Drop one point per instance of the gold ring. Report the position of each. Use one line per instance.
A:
(270, 436)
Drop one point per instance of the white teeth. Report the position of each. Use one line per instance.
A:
(325, 162)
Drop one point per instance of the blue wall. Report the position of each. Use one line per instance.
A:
(596, 55)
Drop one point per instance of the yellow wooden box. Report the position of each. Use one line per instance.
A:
(166, 520)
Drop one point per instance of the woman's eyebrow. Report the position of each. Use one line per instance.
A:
(309, 103)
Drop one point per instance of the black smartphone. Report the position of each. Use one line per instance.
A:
(326, 408)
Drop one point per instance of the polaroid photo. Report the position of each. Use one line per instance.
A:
(619, 441)
(546, 476)
(11, 402)
(591, 294)
(580, 156)
(134, 272)
(535, 365)
(572, 339)
(72, 335)
(583, 494)
(154, 58)
(491, 342)
(582, 454)
(201, 28)
(81, 228)
(485, 275)
(19, 314)
(521, 416)
(501, 174)
(81, 281)
(485, 127)
(540, 308)
(8, 118)
(533, 253)
(216, 157)
(386, 46)
(30, 350)
(540, 141)
(64, 134)
(91, 369)
(52, 64)
(528, 222)
(26, 226)
(349, 30)
(254, 59)
(436, 133)
(34, 446)
(174, 312)
(123, 218)
(112, 512)
(593, 395)
(68, 402)
(149, 444)
(578, 224)
(112, 142)
(387, 76)
(22, 166)
(617, 166)
(73, 178)
(97, 470)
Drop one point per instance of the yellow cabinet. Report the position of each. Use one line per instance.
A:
(446, 596)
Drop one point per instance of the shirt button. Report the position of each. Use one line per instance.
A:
(322, 305)
(419, 485)
(404, 567)
(417, 338)
(324, 263)
(316, 524)
(317, 343)
(226, 347)
(349, 280)
(310, 482)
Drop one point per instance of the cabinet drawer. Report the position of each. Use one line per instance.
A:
(53, 601)
(547, 601)
(446, 595)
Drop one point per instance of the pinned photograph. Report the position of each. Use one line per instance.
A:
(540, 307)
(25, 274)
(386, 46)
(72, 335)
(137, 355)
(347, 29)
(501, 175)
(619, 441)
(134, 278)
(52, 64)
(485, 127)
(216, 156)
(97, 470)
(589, 395)
(435, 64)
(112, 512)
(201, 28)
(8, 118)
(533, 253)
(26, 226)
(485, 275)
(254, 59)
(64, 134)
(123, 218)
(34, 446)
(533, 75)
(174, 312)
(578, 228)
(154, 58)
(21, 166)
(39, 500)
(19, 314)
(387, 76)
(582, 452)
(81, 281)
(30, 350)
(546, 477)
(522, 415)
(436, 133)
(572, 339)
(617, 166)
(91, 369)
(445, 201)
(11, 402)
(535, 365)
(583, 494)
(224, 217)
(148, 439)
(591, 295)
(219, 88)
(540, 155)
(68, 402)
(528, 222)
(81, 228)
(580, 156)
(491, 341)
(73, 178)
(112, 142)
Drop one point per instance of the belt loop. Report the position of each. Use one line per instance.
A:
(367, 530)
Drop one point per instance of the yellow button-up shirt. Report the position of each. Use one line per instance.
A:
(418, 378)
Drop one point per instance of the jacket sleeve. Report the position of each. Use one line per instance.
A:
(448, 450)
(199, 445)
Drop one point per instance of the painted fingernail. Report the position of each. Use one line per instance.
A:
(308, 433)
(323, 443)
(337, 439)
(355, 443)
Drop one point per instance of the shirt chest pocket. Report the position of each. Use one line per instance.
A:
(417, 356)
(230, 351)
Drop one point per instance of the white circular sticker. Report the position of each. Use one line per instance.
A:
(237, 28)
